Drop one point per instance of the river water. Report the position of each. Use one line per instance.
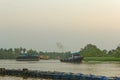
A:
(109, 69)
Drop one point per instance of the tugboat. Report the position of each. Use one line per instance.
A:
(75, 58)
(28, 57)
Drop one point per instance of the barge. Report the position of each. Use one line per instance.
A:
(27, 57)
(25, 73)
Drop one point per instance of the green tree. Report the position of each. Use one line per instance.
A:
(91, 50)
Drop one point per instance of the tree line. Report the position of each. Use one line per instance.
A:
(89, 50)
(12, 53)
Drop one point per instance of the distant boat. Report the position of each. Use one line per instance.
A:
(43, 57)
(27, 57)
(75, 58)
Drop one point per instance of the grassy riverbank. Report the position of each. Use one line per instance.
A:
(101, 59)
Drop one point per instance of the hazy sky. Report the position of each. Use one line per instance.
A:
(40, 24)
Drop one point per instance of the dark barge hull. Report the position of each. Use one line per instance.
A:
(25, 73)
(27, 59)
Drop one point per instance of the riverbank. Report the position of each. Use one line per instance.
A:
(101, 59)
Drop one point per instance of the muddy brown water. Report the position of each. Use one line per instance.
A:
(109, 69)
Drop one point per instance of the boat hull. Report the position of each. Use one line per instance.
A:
(27, 59)
(74, 60)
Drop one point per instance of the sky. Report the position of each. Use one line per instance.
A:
(59, 25)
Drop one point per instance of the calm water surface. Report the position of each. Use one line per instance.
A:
(110, 69)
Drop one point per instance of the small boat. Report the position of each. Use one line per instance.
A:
(27, 57)
(44, 57)
(75, 58)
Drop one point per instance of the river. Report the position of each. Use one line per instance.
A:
(109, 69)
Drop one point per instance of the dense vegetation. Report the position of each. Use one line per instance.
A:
(13, 53)
(90, 51)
